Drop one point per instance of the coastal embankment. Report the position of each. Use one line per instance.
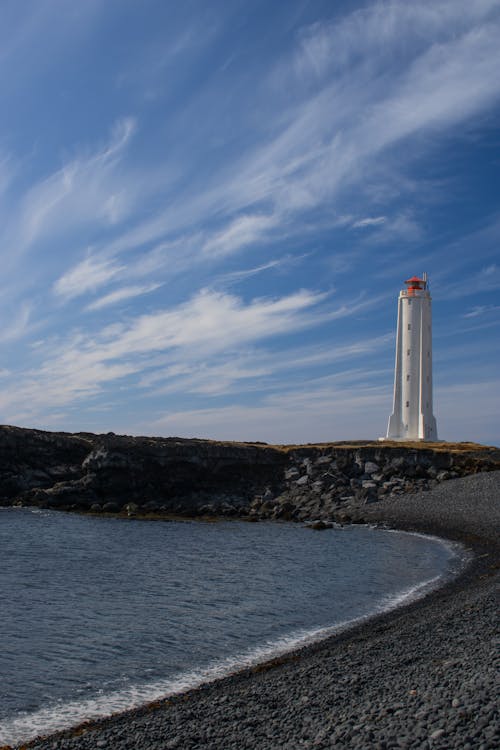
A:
(423, 676)
(161, 477)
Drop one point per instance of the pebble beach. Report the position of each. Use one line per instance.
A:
(422, 676)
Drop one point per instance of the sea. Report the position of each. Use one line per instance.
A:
(99, 615)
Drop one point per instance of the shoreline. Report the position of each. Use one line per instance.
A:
(321, 704)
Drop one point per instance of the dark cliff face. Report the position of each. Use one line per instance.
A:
(59, 470)
(113, 473)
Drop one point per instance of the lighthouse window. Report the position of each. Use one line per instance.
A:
(407, 403)
(409, 301)
(408, 352)
(409, 326)
(407, 377)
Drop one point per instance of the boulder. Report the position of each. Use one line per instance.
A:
(111, 507)
(319, 525)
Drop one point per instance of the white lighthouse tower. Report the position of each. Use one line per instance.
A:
(412, 417)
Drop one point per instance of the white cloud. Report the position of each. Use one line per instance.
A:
(480, 310)
(243, 231)
(84, 189)
(259, 370)
(485, 280)
(119, 295)
(329, 137)
(19, 326)
(370, 221)
(286, 261)
(204, 327)
(86, 276)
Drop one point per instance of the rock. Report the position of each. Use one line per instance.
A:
(371, 467)
(323, 460)
(436, 734)
(319, 525)
(442, 476)
(111, 507)
(150, 507)
(284, 511)
(291, 473)
(302, 481)
(96, 508)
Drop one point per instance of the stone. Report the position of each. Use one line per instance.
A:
(442, 476)
(371, 467)
(303, 480)
(111, 507)
(319, 525)
(436, 734)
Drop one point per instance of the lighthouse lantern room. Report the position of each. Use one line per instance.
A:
(412, 417)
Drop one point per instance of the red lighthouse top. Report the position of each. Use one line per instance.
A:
(416, 283)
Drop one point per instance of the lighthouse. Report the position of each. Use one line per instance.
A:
(412, 417)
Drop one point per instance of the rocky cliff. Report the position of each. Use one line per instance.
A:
(145, 475)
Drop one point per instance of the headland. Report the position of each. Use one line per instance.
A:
(422, 676)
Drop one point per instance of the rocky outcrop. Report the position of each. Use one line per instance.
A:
(158, 475)
(143, 476)
(335, 483)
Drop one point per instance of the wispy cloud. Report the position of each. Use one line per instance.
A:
(369, 221)
(480, 310)
(84, 189)
(225, 166)
(205, 326)
(19, 326)
(243, 231)
(286, 262)
(328, 138)
(120, 295)
(487, 279)
(87, 276)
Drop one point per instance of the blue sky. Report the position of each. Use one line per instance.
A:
(207, 210)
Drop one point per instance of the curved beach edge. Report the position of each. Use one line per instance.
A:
(421, 675)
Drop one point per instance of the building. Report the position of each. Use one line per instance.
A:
(412, 417)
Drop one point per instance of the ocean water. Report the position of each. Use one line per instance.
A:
(99, 615)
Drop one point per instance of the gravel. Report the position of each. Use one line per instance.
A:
(423, 676)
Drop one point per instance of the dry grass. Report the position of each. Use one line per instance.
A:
(439, 446)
